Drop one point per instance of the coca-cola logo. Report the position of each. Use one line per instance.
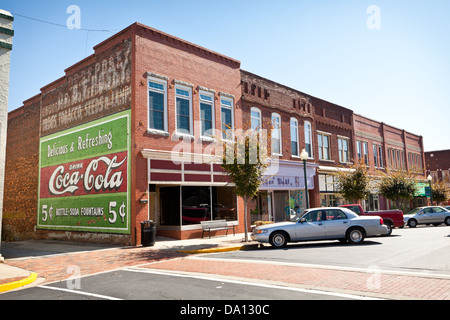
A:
(105, 174)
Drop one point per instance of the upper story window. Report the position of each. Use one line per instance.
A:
(343, 146)
(323, 142)
(157, 104)
(255, 115)
(183, 97)
(378, 156)
(276, 134)
(227, 118)
(294, 137)
(363, 151)
(207, 113)
(308, 139)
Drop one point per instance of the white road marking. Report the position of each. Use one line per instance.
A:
(241, 282)
(80, 292)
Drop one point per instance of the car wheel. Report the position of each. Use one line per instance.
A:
(390, 227)
(279, 239)
(447, 221)
(412, 223)
(356, 236)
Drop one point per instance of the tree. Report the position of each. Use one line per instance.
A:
(245, 160)
(354, 184)
(398, 185)
(439, 190)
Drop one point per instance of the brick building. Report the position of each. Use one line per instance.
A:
(438, 166)
(383, 147)
(128, 133)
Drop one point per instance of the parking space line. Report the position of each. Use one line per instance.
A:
(80, 293)
(247, 283)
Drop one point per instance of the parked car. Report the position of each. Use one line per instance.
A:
(447, 207)
(392, 218)
(321, 224)
(427, 215)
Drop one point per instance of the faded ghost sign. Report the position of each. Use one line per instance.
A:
(84, 177)
(102, 87)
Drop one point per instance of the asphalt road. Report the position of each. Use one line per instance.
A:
(144, 284)
(423, 250)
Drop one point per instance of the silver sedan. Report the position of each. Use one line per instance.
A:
(427, 215)
(321, 224)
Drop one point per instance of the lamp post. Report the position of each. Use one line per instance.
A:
(304, 156)
(430, 179)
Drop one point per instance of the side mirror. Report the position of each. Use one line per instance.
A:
(302, 220)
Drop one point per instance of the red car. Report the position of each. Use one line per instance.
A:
(391, 218)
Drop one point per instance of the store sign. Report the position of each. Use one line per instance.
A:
(423, 190)
(84, 178)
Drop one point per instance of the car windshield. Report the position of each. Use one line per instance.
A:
(299, 216)
(414, 211)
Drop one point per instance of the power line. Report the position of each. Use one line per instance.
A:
(61, 25)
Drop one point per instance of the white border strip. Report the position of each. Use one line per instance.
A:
(80, 292)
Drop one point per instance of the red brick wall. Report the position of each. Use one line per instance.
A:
(21, 172)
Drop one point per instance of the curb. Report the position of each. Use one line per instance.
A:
(18, 284)
(222, 249)
(213, 250)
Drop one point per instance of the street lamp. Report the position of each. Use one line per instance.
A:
(430, 179)
(304, 156)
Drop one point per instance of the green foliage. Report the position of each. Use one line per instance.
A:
(354, 184)
(398, 185)
(440, 192)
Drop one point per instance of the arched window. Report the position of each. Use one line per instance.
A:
(276, 134)
(255, 115)
(294, 137)
(308, 139)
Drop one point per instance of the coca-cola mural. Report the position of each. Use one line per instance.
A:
(84, 174)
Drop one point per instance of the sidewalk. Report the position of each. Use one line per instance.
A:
(28, 263)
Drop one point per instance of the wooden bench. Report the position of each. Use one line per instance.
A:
(209, 226)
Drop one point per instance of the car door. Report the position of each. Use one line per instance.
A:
(438, 215)
(310, 227)
(336, 223)
(426, 216)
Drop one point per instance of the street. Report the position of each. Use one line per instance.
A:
(411, 264)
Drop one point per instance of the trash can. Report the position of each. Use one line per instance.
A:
(148, 233)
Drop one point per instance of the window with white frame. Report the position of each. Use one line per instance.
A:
(323, 141)
(308, 138)
(366, 153)
(255, 115)
(378, 156)
(276, 134)
(157, 104)
(227, 118)
(343, 146)
(183, 97)
(206, 113)
(294, 137)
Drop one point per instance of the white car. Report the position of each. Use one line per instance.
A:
(321, 224)
(427, 215)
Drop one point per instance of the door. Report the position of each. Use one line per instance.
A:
(438, 215)
(426, 216)
(336, 223)
(312, 228)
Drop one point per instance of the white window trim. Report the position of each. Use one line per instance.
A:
(341, 152)
(227, 98)
(322, 133)
(163, 82)
(306, 124)
(298, 137)
(213, 113)
(276, 115)
(191, 120)
(254, 109)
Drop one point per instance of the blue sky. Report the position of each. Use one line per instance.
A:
(399, 74)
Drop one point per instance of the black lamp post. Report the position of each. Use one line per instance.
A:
(304, 156)
(430, 179)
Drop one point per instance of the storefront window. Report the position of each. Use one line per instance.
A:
(197, 204)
